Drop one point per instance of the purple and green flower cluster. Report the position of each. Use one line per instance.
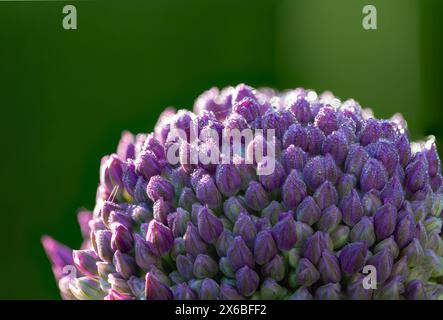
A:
(347, 191)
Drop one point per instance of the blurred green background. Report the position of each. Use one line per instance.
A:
(66, 96)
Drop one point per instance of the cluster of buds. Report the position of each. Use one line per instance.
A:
(347, 192)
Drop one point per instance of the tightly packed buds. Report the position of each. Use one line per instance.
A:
(262, 195)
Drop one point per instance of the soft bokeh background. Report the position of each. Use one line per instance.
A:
(65, 96)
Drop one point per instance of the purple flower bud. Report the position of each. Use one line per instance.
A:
(373, 176)
(155, 290)
(385, 152)
(228, 179)
(384, 221)
(314, 139)
(118, 283)
(176, 277)
(390, 244)
(155, 146)
(144, 257)
(295, 136)
(228, 292)
(140, 190)
(119, 218)
(416, 174)
(370, 132)
(265, 248)
(158, 187)
(355, 289)
(383, 262)
(432, 157)
(121, 239)
(183, 292)
(340, 236)
(314, 246)
(226, 267)
(356, 159)
(161, 209)
(393, 192)
(185, 266)
(137, 286)
(293, 191)
(277, 120)
(391, 290)
(245, 228)
(247, 281)
(302, 232)
(124, 264)
(193, 242)
(293, 158)
(180, 223)
(329, 219)
(363, 231)
(85, 288)
(159, 238)
(272, 211)
(85, 261)
(275, 268)
(326, 195)
(371, 202)
(126, 148)
(205, 267)
(284, 233)
(301, 109)
(329, 267)
(301, 294)
(351, 208)
(140, 213)
(104, 269)
(271, 290)
(401, 268)
(103, 244)
(223, 243)
(247, 172)
(256, 197)
(115, 295)
(405, 231)
(432, 224)
(415, 290)
(129, 177)
(307, 274)
(308, 211)
(326, 120)
(353, 257)
(330, 291)
(59, 255)
(209, 290)
(111, 172)
(404, 149)
(232, 208)
(271, 182)
(415, 253)
(209, 226)
(345, 185)
(207, 192)
(147, 164)
(242, 91)
(247, 107)
(336, 144)
(435, 243)
(187, 199)
(239, 254)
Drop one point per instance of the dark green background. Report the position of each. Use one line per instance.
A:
(66, 95)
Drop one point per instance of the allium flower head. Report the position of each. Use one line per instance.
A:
(262, 195)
